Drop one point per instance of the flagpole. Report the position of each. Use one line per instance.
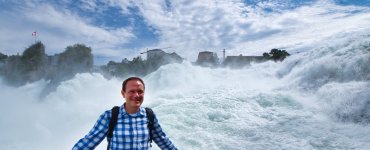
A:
(35, 35)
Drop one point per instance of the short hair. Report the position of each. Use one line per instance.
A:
(129, 79)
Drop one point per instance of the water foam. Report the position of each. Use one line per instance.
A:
(316, 99)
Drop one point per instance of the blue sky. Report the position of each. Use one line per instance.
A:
(117, 29)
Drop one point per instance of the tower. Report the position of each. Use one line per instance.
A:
(223, 59)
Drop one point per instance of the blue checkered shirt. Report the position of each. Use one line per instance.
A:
(130, 133)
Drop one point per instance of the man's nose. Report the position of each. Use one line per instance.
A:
(136, 94)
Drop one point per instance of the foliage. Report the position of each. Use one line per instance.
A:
(34, 64)
(276, 54)
(139, 67)
(28, 67)
(76, 58)
(34, 57)
(3, 57)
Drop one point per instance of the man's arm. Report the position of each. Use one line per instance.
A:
(96, 134)
(160, 137)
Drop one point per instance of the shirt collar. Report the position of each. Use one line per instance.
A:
(123, 112)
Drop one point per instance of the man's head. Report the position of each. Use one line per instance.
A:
(124, 83)
(133, 91)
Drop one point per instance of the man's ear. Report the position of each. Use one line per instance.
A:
(123, 93)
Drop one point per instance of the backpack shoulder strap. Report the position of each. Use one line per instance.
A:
(150, 115)
(112, 124)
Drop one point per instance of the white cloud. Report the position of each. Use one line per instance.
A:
(123, 4)
(58, 28)
(73, 26)
(89, 5)
(188, 26)
(193, 26)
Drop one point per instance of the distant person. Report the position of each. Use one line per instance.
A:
(133, 124)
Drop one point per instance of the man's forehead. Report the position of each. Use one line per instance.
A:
(134, 81)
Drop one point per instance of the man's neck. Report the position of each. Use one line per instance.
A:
(131, 110)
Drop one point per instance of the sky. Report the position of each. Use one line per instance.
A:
(117, 29)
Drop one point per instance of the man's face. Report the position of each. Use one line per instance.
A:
(134, 94)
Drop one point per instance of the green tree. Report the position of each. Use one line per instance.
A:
(34, 57)
(30, 66)
(137, 65)
(11, 71)
(278, 55)
(75, 59)
(266, 55)
(3, 57)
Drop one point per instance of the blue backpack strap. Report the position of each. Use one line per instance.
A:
(150, 115)
(112, 124)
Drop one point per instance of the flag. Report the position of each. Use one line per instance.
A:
(34, 33)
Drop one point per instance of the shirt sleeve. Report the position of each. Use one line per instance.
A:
(160, 137)
(96, 134)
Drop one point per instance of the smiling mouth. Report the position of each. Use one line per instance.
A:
(136, 100)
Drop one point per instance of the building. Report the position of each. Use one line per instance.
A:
(160, 55)
(207, 59)
(241, 61)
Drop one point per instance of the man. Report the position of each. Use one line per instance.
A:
(131, 130)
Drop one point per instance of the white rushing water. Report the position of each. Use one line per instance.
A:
(318, 98)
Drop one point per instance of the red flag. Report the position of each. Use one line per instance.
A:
(34, 33)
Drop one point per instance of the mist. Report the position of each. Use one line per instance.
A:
(312, 100)
(317, 98)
